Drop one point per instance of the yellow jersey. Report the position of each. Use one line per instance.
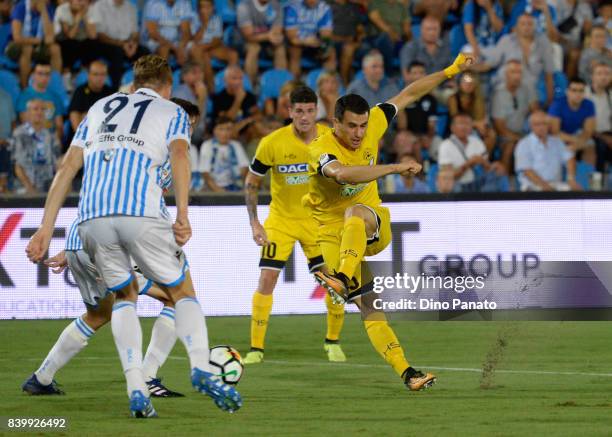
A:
(327, 198)
(287, 156)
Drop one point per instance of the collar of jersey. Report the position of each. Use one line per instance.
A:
(148, 92)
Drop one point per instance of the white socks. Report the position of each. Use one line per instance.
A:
(70, 342)
(191, 330)
(128, 339)
(163, 339)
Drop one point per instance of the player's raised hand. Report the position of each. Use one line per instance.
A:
(462, 62)
(259, 234)
(57, 263)
(38, 245)
(182, 231)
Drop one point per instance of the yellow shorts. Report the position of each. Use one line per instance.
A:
(282, 234)
(330, 237)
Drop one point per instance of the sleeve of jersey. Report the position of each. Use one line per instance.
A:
(178, 128)
(323, 161)
(263, 159)
(80, 136)
(380, 118)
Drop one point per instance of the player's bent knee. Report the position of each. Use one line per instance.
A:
(365, 214)
(181, 290)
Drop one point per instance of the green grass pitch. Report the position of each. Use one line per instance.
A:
(550, 378)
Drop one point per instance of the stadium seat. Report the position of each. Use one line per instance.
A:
(226, 10)
(432, 175)
(10, 83)
(127, 77)
(560, 84)
(457, 39)
(219, 82)
(5, 36)
(583, 174)
(271, 83)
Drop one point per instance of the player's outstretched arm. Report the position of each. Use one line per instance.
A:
(357, 174)
(251, 197)
(62, 182)
(421, 87)
(181, 179)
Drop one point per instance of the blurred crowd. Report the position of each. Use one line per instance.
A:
(533, 113)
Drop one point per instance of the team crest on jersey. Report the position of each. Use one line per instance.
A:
(367, 155)
(108, 154)
(352, 190)
(292, 168)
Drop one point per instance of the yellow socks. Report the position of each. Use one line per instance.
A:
(335, 319)
(262, 305)
(387, 345)
(352, 247)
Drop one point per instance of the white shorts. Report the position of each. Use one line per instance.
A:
(113, 242)
(91, 286)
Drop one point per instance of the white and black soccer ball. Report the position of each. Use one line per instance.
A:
(226, 362)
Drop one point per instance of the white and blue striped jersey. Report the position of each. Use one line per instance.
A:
(125, 141)
(73, 240)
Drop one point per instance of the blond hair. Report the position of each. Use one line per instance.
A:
(152, 71)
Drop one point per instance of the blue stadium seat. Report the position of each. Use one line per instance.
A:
(583, 174)
(457, 39)
(5, 36)
(226, 11)
(416, 30)
(560, 84)
(127, 77)
(271, 83)
(220, 84)
(312, 76)
(10, 83)
(432, 175)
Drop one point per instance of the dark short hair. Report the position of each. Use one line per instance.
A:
(577, 80)
(222, 119)
(461, 115)
(351, 102)
(303, 94)
(42, 63)
(152, 70)
(415, 64)
(191, 109)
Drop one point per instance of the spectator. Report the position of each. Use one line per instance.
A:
(604, 18)
(6, 7)
(444, 11)
(193, 90)
(328, 92)
(373, 86)
(32, 33)
(194, 115)
(234, 102)
(390, 28)
(207, 43)
(463, 151)
(347, 33)
(429, 49)
(308, 25)
(421, 116)
(512, 102)
(575, 20)
(469, 99)
(601, 95)
(166, 27)
(539, 159)
(88, 94)
(35, 150)
(544, 13)
(74, 33)
(573, 120)
(534, 52)
(595, 53)
(261, 25)
(483, 23)
(7, 123)
(54, 106)
(405, 143)
(116, 27)
(409, 183)
(223, 162)
(445, 181)
(279, 108)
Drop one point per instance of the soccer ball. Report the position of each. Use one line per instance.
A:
(226, 362)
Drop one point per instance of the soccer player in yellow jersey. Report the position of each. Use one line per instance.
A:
(343, 197)
(285, 152)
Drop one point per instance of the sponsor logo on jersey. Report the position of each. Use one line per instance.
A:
(297, 180)
(352, 190)
(292, 168)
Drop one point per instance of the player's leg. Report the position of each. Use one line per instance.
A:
(75, 336)
(335, 312)
(151, 244)
(272, 261)
(360, 224)
(163, 339)
(102, 242)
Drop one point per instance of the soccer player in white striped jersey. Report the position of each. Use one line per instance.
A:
(120, 145)
(98, 304)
